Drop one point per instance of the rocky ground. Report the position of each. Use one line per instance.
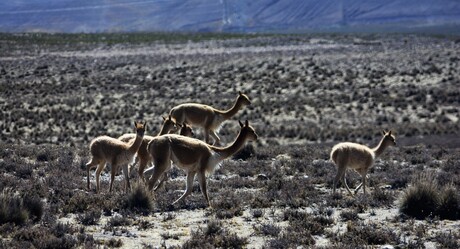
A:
(308, 92)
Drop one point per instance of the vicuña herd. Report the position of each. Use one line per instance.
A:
(199, 158)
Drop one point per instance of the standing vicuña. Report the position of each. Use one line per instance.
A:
(358, 157)
(185, 130)
(207, 117)
(105, 149)
(194, 156)
(143, 156)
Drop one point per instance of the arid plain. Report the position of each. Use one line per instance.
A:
(308, 92)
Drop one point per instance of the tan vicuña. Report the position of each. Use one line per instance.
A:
(207, 117)
(143, 157)
(358, 157)
(105, 149)
(185, 130)
(194, 156)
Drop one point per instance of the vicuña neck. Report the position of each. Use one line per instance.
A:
(230, 150)
(136, 144)
(163, 130)
(380, 148)
(232, 111)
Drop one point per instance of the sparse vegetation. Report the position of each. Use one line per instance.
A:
(60, 91)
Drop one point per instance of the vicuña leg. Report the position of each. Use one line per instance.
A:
(202, 181)
(126, 174)
(362, 184)
(341, 172)
(164, 177)
(338, 177)
(346, 185)
(206, 136)
(112, 174)
(99, 170)
(189, 186)
(160, 167)
(89, 166)
(215, 137)
(136, 161)
(142, 164)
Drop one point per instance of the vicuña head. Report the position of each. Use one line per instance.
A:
(207, 117)
(358, 157)
(186, 130)
(194, 156)
(143, 157)
(105, 149)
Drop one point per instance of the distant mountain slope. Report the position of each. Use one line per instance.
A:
(222, 15)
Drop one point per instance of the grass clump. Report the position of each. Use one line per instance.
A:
(422, 199)
(425, 198)
(90, 217)
(214, 235)
(227, 206)
(302, 226)
(449, 207)
(17, 209)
(360, 234)
(43, 237)
(448, 240)
(139, 199)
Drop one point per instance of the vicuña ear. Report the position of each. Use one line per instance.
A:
(389, 133)
(247, 122)
(169, 117)
(240, 93)
(241, 124)
(163, 117)
(384, 132)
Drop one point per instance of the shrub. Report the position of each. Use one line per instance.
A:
(42, 237)
(139, 199)
(78, 203)
(227, 205)
(349, 215)
(422, 199)
(359, 235)
(300, 229)
(382, 198)
(114, 243)
(12, 208)
(449, 206)
(268, 229)
(34, 206)
(257, 213)
(448, 240)
(292, 237)
(117, 221)
(214, 236)
(90, 217)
